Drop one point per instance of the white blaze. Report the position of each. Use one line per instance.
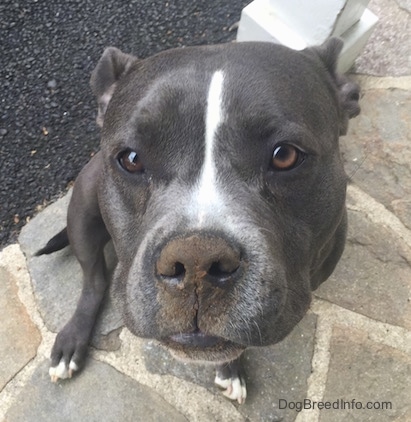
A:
(206, 194)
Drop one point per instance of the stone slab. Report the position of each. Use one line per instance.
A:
(367, 372)
(279, 372)
(272, 373)
(388, 50)
(377, 149)
(100, 393)
(19, 337)
(373, 277)
(57, 278)
(404, 4)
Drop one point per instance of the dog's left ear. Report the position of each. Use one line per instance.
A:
(348, 91)
(111, 67)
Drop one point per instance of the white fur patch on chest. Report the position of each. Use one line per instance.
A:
(206, 198)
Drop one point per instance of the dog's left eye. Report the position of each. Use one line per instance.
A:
(130, 161)
(286, 157)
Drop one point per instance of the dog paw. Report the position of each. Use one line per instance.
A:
(235, 388)
(68, 353)
(62, 370)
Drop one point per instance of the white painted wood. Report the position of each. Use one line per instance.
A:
(305, 25)
(350, 14)
(317, 20)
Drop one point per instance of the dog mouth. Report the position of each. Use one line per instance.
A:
(196, 339)
(201, 346)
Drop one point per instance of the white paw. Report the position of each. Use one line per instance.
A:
(61, 371)
(235, 388)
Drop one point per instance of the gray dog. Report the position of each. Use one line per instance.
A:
(221, 185)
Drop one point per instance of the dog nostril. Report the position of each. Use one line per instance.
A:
(173, 275)
(175, 270)
(221, 271)
(198, 259)
(179, 269)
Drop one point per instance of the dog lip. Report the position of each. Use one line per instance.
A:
(196, 339)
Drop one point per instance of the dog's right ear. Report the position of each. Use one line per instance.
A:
(111, 67)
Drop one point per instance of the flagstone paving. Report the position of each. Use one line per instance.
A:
(352, 350)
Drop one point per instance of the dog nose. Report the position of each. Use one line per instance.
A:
(199, 259)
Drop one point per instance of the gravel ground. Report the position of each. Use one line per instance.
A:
(48, 50)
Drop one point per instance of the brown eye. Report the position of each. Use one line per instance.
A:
(130, 161)
(286, 157)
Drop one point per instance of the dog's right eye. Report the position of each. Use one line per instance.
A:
(130, 161)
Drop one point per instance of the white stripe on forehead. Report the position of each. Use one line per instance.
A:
(206, 195)
(214, 116)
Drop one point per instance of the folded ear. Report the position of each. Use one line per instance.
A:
(348, 92)
(111, 67)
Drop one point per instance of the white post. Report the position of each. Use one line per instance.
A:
(301, 23)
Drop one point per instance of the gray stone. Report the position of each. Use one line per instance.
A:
(57, 278)
(404, 4)
(388, 50)
(402, 209)
(272, 373)
(373, 277)
(44, 226)
(377, 150)
(279, 372)
(158, 360)
(99, 393)
(368, 373)
(19, 337)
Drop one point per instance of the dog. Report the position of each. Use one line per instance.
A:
(221, 185)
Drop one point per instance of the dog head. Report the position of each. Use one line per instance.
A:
(222, 188)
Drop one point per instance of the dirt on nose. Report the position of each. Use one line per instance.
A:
(197, 256)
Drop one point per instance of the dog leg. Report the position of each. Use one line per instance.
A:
(88, 236)
(229, 377)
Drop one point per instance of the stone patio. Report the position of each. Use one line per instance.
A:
(352, 348)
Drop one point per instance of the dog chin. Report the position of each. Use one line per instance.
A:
(202, 348)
